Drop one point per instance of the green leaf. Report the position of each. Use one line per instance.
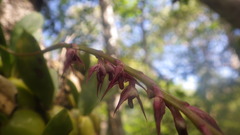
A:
(73, 90)
(24, 122)
(86, 126)
(60, 124)
(3, 118)
(185, 2)
(4, 55)
(88, 97)
(33, 70)
(24, 97)
(30, 23)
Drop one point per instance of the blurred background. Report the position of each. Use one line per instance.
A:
(190, 48)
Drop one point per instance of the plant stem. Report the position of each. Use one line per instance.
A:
(182, 106)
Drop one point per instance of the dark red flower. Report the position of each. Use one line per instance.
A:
(120, 77)
(110, 70)
(129, 93)
(205, 116)
(159, 111)
(100, 72)
(71, 58)
(179, 122)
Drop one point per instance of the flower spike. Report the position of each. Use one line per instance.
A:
(101, 73)
(117, 79)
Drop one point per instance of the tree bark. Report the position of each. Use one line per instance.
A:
(230, 11)
(227, 9)
(11, 11)
(110, 37)
(109, 28)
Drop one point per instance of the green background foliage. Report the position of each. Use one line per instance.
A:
(171, 43)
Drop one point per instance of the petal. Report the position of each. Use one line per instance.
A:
(71, 57)
(179, 122)
(99, 87)
(123, 97)
(91, 71)
(110, 85)
(129, 93)
(130, 103)
(117, 74)
(141, 105)
(132, 80)
(110, 70)
(118, 71)
(159, 110)
(205, 116)
(121, 82)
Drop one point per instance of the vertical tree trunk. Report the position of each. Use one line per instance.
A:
(109, 28)
(110, 37)
(228, 9)
(11, 11)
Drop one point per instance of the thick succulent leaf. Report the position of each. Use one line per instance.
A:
(88, 98)
(32, 23)
(96, 120)
(5, 57)
(86, 126)
(24, 98)
(33, 70)
(23, 122)
(60, 124)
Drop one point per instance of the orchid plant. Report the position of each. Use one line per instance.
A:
(118, 74)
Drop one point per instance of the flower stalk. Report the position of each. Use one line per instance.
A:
(182, 106)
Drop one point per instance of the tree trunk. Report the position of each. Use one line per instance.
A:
(227, 9)
(110, 37)
(230, 11)
(109, 29)
(11, 11)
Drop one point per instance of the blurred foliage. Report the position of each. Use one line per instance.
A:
(182, 40)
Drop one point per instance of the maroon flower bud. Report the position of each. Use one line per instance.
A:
(154, 91)
(205, 116)
(101, 73)
(120, 77)
(179, 122)
(71, 58)
(117, 79)
(159, 111)
(129, 93)
(150, 93)
(110, 70)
